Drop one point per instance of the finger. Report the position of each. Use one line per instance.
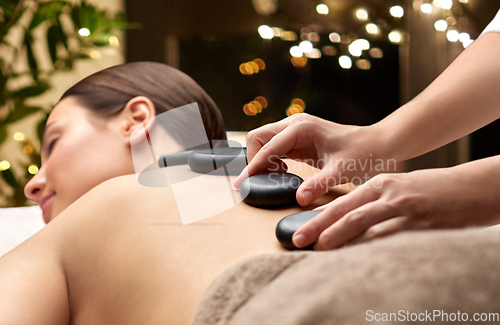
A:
(309, 232)
(382, 229)
(315, 186)
(325, 206)
(257, 138)
(353, 224)
(276, 147)
(276, 166)
(308, 155)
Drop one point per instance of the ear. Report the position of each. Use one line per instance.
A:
(139, 111)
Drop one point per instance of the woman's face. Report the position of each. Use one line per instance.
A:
(79, 151)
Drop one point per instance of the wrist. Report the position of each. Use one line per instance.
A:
(377, 142)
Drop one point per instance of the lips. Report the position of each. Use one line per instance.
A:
(45, 204)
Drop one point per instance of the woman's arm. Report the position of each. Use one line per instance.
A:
(464, 98)
(33, 288)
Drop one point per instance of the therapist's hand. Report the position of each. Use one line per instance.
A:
(390, 203)
(342, 152)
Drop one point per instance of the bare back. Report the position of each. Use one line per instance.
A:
(120, 255)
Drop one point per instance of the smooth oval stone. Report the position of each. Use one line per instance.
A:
(271, 190)
(289, 225)
(174, 159)
(209, 160)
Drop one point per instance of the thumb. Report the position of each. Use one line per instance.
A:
(314, 187)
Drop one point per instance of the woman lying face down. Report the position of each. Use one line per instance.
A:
(87, 136)
(118, 253)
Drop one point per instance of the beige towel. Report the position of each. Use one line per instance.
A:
(410, 273)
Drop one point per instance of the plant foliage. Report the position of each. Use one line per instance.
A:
(72, 32)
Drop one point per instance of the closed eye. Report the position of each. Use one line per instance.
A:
(51, 145)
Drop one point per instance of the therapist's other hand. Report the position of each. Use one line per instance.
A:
(390, 203)
(342, 152)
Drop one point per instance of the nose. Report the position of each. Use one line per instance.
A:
(34, 189)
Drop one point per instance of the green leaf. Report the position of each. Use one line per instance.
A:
(3, 134)
(75, 16)
(52, 38)
(61, 35)
(31, 59)
(31, 91)
(46, 11)
(21, 112)
(9, 178)
(38, 18)
(87, 17)
(3, 82)
(101, 38)
(8, 7)
(12, 12)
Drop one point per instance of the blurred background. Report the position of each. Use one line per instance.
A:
(348, 61)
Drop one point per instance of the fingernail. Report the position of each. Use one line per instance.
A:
(299, 240)
(307, 197)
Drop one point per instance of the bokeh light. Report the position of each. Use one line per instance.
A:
(314, 54)
(18, 136)
(426, 8)
(299, 61)
(265, 32)
(4, 165)
(300, 102)
(464, 37)
(395, 37)
(441, 25)
(334, 37)
(329, 50)
(355, 49)
(362, 43)
(277, 32)
(376, 53)
(113, 41)
(446, 4)
(322, 9)
(247, 110)
(372, 28)
(452, 35)
(32, 169)
(363, 64)
(289, 36)
(466, 44)
(295, 51)
(397, 11)
(84, 32)
(260, 63)
(262, 101)
(28, 149)
(255, 67)
(306, 46)
(362, 14)
(345, 62)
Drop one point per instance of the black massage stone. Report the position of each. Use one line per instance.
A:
(208, 160)
(289, 224)
(271, 190)
(174, 159)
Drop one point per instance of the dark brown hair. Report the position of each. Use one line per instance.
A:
(108, 91)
